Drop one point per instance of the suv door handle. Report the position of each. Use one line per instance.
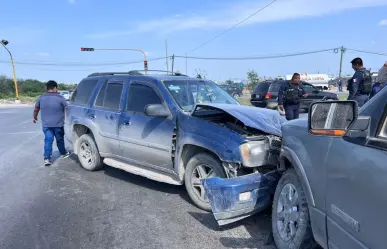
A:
(92, 116)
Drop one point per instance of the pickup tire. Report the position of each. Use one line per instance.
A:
(290, 215)
(201, 166)
(88, 154)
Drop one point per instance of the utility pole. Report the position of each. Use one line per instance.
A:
(186, 65)
(4, 43)
(166, 54)
(342, 50)
(173, 62)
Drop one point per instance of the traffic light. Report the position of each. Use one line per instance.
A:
(146, 65)
(87, 49)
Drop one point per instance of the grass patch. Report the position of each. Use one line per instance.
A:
(23, 98)
(244, 101)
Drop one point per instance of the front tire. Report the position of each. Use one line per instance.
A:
(235, 96)
(201, 166)
(88, 153)
(290, 215)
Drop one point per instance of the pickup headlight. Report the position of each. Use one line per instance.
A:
(254, 153)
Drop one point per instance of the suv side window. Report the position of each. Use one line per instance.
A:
(109, 96)
(309, 88)
(139, 96)
(83, 91)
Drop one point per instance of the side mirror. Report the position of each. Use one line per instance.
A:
(332, 118)
(156, 110)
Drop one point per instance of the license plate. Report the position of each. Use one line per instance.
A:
(257, 96)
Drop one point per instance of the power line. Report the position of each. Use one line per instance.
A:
(367, 52)
(259, 57)
(77, 64)
(227, 30)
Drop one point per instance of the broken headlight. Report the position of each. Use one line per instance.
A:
(254, 153)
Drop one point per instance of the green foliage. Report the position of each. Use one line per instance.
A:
(28, 87)
(253, 79)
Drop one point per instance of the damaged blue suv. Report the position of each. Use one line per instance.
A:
(170, 128)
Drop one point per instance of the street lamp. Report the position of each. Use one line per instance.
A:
(5, 43)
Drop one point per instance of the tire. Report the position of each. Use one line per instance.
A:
(297, 214)
(88, 153)
(196, 193)
(235, 96)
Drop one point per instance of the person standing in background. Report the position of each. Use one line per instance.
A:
(340, 85)
(289, 97)
(381, 80)
(360, 85)
(52, 107)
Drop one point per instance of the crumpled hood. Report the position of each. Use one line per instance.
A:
(268, 121)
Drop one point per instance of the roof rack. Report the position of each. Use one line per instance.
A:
(135, 72)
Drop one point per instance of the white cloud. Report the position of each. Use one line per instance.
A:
(383, 22)
(228, 15)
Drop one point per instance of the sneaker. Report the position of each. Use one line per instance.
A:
(47, 162)
(66, 155)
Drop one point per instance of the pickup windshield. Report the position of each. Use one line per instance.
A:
(188, 93)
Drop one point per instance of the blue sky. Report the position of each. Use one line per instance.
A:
(53, 31)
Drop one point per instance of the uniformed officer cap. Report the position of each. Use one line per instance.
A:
(357, 61)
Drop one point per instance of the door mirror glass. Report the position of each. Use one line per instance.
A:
(331, 118)
(156, 110)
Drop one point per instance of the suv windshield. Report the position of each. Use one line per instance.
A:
(188, 93)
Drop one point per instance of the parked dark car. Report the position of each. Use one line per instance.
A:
(328, 188)
(270, 99)
(259, 94)
(233, 89)
(169, 128)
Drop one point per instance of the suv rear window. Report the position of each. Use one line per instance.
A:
(275, 86)
(83, 92)
(262, 87)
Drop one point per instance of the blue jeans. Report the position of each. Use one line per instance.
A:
(49, 134)
(292, 111)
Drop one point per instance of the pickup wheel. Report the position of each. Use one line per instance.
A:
(235, 96)
(290, 214)
(199, 167)
(88, 154)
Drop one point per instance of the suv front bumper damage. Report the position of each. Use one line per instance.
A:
(233, 199)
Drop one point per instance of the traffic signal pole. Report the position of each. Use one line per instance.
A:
(121, 49)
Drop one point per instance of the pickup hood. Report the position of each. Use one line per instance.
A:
(328, 94)
(265, 120)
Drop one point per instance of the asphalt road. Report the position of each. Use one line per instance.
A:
(64, 206)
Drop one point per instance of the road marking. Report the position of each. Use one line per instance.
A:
(17, 133)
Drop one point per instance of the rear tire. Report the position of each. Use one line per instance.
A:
(88, 153)
(290, 215)
(201, 166)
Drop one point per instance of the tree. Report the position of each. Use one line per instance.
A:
(229, 82)
(253, 79)
(200, 74)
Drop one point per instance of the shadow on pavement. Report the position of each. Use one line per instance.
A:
(258, 226)
(147, 183)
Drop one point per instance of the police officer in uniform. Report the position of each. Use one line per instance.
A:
(360, 85)
(289, 97)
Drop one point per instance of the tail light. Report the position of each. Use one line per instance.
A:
(268, 96)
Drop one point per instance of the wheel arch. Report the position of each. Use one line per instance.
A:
(289, 159)
(187, 152)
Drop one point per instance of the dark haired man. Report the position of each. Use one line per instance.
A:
(360, 85)
(52, 107)
(289, 97)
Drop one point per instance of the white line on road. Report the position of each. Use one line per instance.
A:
(17, 133)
